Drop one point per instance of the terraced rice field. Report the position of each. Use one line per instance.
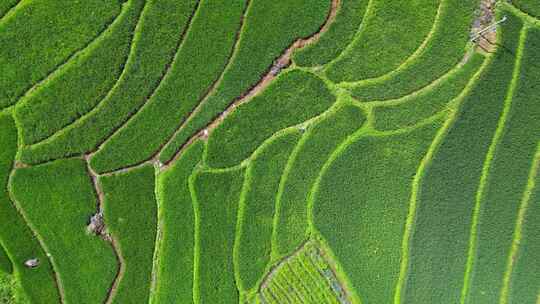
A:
(269, 152)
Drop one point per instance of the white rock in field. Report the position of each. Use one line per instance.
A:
(32, 263)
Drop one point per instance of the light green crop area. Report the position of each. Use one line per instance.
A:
(269, 152)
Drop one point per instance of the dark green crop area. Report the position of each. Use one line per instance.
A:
(269, 152)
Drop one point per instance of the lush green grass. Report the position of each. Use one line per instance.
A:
(253, 245)
(525, 277)
(392, 31)
(57, 200)
(269, 27)
(6, 6)
(154, 45)
(507, 178)
(447, 195)
(339, 34)
(15, 236)
(445, 48)
(361, 203)
(174, 271)
(211, 37)
(303, 168)
(531, 7)
(5, 262)
(78, 87)
(41, 35)
(411, 109)
(130, 214)
(293, 98)
(216, 196)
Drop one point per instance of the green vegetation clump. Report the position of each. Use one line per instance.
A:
(445, 47)
(254, 151)
(188, 80)
(216, 196)
(176, 212)
(514, 153)
(6, 6)
(130, 213)
(409, 110)
(445, 205)
(253, 247)
(80, 85)
(269, 27)
(5, 263)
(153, 48)
(334, 41)
(391, 31)
(526, 271)
(531, 7)
(363, 220)
(41, 35)
(57, 200)
(295, 97)
(303, 167)
(38, 284)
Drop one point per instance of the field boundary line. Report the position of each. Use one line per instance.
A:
(100, 105)
(276, 263)
(357, 35)
(196, 234)
(100, 200)
(286, 170)
(157, 258)
(37, 236)
(242, 164)
(365, 130)
(341, 100)
(426, 161)
(73, 124)
(526, 17)
(413, 202)
(265, 80)
(238, 232)
(427, 88)
(484, 178)
(62, 65)
(86, 53)
(163, 78)
(331, 294)
(210, 90)
(154, 158)
(525, 201)
(411, 58)
(335, 265)
(10, 11)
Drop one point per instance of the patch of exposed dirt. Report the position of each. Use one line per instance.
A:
(485, 39)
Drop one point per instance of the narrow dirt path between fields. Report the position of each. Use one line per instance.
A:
(101, 231)
(273, 71)
(280, 63)
(166, 72)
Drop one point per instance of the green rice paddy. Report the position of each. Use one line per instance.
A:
(269, 152)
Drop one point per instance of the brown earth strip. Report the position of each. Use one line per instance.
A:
(100, 197)
(283, 61)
